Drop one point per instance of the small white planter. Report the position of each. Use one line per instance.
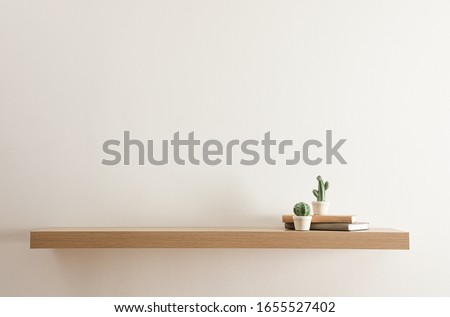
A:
(320, 207)
(302, 223)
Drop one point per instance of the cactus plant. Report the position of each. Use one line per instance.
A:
(320, 192)
(302, 209)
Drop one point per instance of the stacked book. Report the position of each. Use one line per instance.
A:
(329, 222)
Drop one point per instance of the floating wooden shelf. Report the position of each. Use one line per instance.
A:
(62, 238)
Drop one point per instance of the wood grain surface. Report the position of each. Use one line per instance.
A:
(57, 238)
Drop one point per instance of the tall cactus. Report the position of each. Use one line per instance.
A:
(302, 209)
(320, 192)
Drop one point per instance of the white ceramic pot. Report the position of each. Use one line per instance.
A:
(302, 223)
(320, 207)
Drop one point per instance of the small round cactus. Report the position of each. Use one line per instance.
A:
(302, 209)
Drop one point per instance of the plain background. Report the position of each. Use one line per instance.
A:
(76, 73)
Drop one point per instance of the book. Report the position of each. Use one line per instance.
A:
(339, 226)
(289, 226)
(324, 218)
(335, 226)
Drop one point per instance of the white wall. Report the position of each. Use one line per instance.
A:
(76, 73)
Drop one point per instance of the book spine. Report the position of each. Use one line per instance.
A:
(323, 218)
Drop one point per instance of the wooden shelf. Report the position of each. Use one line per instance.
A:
(274, 238)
